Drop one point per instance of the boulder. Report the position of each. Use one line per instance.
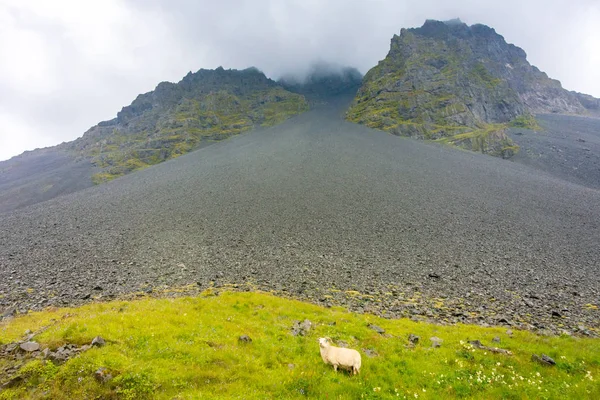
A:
(98, 341)
(30, 346)
(377, 329)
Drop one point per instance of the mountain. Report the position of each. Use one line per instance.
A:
(171, 120)
(446, 81)
(319, 208)
(178, 117)
(459, 84)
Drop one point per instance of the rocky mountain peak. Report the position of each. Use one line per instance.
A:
(448, 78)
(176, 118)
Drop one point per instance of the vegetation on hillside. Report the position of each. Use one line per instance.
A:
(188, 348)
(525, 121)
(457, 84)
(177, 118)
(491, 139)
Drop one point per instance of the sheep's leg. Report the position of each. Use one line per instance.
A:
(355, 370)
(335, 367)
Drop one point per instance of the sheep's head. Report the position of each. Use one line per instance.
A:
(324, 342)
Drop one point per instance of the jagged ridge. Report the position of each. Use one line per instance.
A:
(178, 117)
(448, 80)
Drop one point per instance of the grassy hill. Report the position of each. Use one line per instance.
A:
(189, 348)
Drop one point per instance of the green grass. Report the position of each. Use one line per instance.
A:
(526, 121)
(187, 348)
(489, 139)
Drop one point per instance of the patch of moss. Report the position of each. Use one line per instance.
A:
(490, 139)
(435, 87)
(526, 121)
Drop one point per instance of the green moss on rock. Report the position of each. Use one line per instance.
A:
(445, 80)
(176, 118)
(525, 121)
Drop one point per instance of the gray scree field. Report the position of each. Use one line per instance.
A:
(319, 208)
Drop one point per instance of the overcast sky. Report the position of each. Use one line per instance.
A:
(65, 65)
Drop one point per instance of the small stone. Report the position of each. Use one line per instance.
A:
(9, 312)
(102, 375)
(98, 341)
(30, 346)
(544, 359)
(342, 343)
(556, 314)
(301, 328)
(509, 332)
(434, 275)
(436, 342)
(27, 332)
(244, 339)
(414, 339)
(45, 353)
(13, 382)
(377, 329)
(548, 360)
(496, 339)
(58, 357)
(370, 353)
(291, 366)
(10, 347)
(86, 296)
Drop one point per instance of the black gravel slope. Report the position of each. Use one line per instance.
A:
(41, 175)
(317, 204)
(568, 148)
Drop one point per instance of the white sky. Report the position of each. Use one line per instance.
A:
(65, 65)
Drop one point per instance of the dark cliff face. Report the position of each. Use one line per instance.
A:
(178, 117)
(448, 78)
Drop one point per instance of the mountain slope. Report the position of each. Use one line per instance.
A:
(450, 80)
(204, 107)
(40, 175)
(176, 118)
(323, 209)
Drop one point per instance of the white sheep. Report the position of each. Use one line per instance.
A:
(339, 357)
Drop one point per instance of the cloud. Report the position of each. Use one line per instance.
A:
(68, 64)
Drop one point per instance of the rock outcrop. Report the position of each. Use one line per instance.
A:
(176, 118)
(458, 83)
